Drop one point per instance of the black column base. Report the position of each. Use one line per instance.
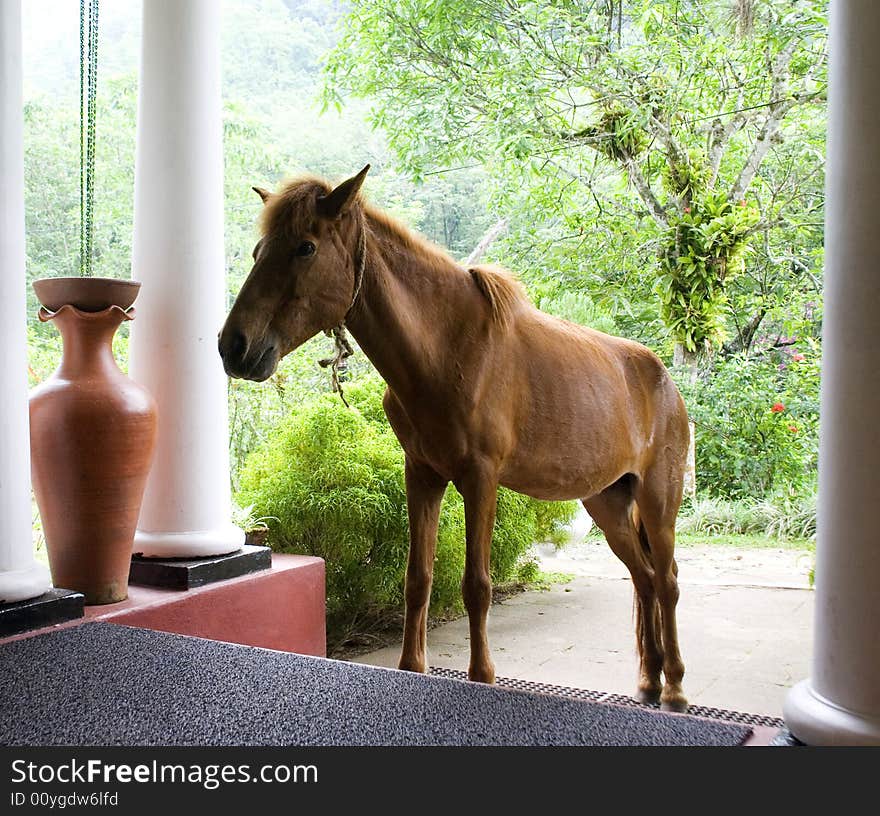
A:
(54, 606)
(188, 573)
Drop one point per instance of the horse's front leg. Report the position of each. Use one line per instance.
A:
(479, 489)
(424, 493)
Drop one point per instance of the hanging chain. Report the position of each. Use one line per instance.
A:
(82, 137)
(88, 92)
(90, 149)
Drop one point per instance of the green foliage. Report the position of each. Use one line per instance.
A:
(686, 177)
(598, 124)
(330, 482)
(619, 135)
(704, 249)
(52, 187)
(757, 426)
(44, 355)
(577, 307)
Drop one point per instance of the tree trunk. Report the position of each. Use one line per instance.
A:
(690, 470)
(683, 358)
(744, 336)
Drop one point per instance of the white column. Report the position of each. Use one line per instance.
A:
(178, 255)
(20, 576)
(840, 703)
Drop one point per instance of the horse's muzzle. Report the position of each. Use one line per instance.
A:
(244, 363)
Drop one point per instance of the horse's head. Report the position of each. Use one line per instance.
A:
(304, 275)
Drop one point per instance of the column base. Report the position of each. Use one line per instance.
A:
(815, 720)
(20, 585)
(220, 541)
(785, 739)
(54, 606)
(186, 573)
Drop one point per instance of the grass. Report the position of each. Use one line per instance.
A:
(744, 540)
(542, 581)
(733, 540)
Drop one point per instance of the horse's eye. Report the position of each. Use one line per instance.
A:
(305, 249)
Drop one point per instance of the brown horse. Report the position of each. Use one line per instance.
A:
(483, 389)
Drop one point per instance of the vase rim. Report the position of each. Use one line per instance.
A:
(87, 278)
(46, 315)
(86, 294)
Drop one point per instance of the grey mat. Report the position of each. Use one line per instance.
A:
(104, 684)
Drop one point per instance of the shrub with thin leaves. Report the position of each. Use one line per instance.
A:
(330, 482)
(757, 426)
(782, 518)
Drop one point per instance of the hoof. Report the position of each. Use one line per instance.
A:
(677, 704)
(482, 676)
(648, 696)
(411, 666)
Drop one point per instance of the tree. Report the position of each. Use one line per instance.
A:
(685, 101)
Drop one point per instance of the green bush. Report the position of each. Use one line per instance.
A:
(330, 481)
(757, 426)
(256, 408)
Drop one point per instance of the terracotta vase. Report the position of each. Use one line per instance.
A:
(92, 437)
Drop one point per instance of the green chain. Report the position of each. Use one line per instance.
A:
(88, 91)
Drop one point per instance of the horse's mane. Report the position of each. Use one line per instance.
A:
(398, 232)
(497, 285)
(503, 291)
(299, 195)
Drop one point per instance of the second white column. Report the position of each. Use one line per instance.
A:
(178, 254)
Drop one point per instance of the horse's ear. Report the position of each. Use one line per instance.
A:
(264, 194)
(336, 203)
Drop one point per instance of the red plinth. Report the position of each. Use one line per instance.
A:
(280, 608)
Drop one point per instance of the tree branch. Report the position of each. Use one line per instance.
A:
(589, 136)
(486, 241)
(783, 102)
(644, 189)
(677, 154)
(720, 136)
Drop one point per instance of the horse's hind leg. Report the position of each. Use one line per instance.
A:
(658, 497)
(612, 510)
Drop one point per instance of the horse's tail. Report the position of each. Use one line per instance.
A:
(648, 559)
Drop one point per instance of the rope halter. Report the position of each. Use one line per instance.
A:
(342, 341)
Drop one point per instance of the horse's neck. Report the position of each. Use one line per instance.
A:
(405, 315)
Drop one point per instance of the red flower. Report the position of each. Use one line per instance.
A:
(777, 408)
(687, 209)
(793, 428)
(798, 358)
